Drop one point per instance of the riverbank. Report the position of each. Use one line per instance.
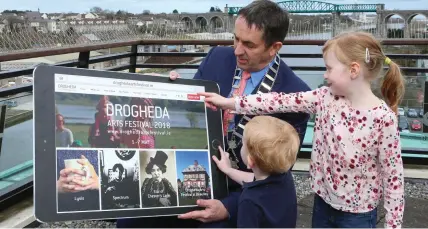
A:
(15, 117)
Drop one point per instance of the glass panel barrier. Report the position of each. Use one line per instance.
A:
(411, 108)
(410, 119)
(16, 158)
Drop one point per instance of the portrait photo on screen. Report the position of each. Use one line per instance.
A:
(193, 176)
(101, 121)
(158, 179)
(119, 179)
(77, 180)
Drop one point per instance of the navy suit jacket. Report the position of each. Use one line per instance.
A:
(219, 66)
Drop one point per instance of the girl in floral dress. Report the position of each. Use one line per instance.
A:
(356, 157)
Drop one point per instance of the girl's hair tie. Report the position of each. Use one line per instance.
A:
(387, 60)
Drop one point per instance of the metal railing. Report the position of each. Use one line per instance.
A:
(413, 155)
(84, 56)
(28, 38)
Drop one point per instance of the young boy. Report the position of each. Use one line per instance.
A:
(268, 197)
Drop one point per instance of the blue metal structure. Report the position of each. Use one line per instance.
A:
(307, 6)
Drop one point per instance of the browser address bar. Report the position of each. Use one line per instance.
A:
(157, 87)
(97, 89)
(130, 84)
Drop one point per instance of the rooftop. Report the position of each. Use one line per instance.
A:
(195, 167)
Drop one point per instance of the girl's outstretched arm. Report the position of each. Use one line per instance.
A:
(307, 102)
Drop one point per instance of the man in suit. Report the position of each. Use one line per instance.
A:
(251, 66)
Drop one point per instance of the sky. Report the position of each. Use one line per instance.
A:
(167, 6)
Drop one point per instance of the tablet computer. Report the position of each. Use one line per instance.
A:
(117, 145)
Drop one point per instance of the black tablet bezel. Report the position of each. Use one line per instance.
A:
(45, 192)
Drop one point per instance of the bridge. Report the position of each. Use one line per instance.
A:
(306, 6)
(203, 21)
(407, 15)
(383, 15)
(224, 21)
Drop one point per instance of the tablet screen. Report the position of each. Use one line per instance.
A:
(125, 144)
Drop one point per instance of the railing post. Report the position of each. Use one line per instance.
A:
(83, 59)
(3, 110)
(133, 59)
(425, 109)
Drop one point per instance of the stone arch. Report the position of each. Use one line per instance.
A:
(410, 18)
(416, 30)
(188, 23)
(216, 22)
(387, 17)
(394, 32)
(201, 24)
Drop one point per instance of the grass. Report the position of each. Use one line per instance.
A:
(181, 138)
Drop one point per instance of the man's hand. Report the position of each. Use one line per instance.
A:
(214, 211)
(173, 75)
